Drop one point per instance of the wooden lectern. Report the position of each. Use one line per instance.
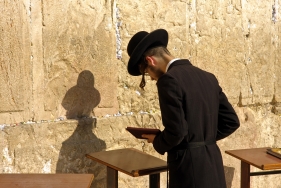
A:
(131, 162)
(258, 158)
(45, 180)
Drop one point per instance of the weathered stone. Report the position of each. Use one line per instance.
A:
(259, 128)
(81, 39)
(68, 60)
(15, 78)
(276, 75)
(60, 147)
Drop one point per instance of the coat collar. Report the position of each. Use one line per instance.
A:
(171, 62)
(179, 62)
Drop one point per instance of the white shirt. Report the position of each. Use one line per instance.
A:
(172, 61)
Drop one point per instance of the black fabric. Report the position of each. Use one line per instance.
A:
(185, 145)
(188, 170)
(193, 109)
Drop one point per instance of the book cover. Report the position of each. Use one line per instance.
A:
(137, 132)
(275, 152)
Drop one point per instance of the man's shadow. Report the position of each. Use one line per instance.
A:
(79, 102)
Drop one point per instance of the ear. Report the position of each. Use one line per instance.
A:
(151, 60)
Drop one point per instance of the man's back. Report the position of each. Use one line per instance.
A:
(190, 101)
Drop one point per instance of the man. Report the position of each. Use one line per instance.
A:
(195, 112)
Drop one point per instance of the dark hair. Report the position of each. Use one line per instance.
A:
(156, 51)
(142, 66)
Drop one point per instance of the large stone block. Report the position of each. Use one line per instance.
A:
(259, 59)
(217, 42)
(15, 69)
(79, 36)
(226, 38)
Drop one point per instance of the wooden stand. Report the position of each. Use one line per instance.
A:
(131, 162)
(258, 158)
(45, 180)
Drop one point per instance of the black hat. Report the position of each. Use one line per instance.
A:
(141, 42)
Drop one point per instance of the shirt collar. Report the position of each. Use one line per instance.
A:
(172, 61)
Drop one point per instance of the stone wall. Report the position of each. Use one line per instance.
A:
(65, 90)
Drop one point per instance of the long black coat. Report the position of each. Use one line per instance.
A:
(194, 109)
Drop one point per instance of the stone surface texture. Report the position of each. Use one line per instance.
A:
(65, 90)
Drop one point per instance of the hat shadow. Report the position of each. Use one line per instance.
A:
(80, 100)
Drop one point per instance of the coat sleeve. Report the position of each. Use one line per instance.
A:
(228, 120)
(170, 100)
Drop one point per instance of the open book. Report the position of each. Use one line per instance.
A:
(274, 151)
(137, 132)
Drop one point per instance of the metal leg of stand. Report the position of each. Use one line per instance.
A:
(112, 178)
(154, 180)
(245, 175)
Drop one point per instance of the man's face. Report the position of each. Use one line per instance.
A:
(154, 72)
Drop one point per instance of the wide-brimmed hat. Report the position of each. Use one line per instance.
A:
(141, 42)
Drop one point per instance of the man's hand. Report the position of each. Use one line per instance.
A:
(149, 137)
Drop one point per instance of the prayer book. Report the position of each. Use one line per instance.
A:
(137, 132)
(275, 152)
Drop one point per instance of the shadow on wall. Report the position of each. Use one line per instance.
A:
(229, 174)
(72, 154)
(79, 102)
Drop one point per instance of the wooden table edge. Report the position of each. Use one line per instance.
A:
(89, 177)
(245, 161)
(134, 173)
(144, 172)
(92, 179)
(271, 167)
(262, 167)
(109, 165)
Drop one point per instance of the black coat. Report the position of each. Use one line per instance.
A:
(193, 109)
